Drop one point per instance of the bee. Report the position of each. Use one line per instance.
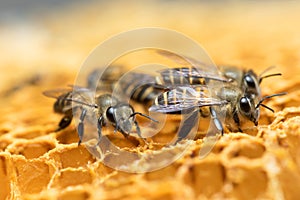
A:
(195, 73)
(237, 94)
(107, 109)
(238, 107)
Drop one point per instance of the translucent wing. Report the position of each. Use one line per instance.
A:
(192, 72)
(136, 79)
(56, 93)
(60, 93)
(76, 94)
(101, 79)
(183, 98)
(169, 108)
(76, 90)
(79, 89)
(191, 67)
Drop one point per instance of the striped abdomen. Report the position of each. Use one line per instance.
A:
(63, 103)
(183, 99)
(140, 87)
(179, 76)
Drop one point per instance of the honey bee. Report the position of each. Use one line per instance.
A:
(238, 96)
(238, 107)
(107, 109)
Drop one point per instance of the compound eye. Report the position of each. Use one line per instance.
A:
(245, 105)
(110, 114)
(249, 81)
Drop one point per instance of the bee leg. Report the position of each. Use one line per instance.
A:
(138, 130)
(64, 122)
(99, 128)
(117, 127)
(237, 121)
(217, 122)
(81, 126)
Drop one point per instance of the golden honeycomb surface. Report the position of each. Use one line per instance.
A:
(46, 52)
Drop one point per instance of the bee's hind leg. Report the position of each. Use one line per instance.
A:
(64, 122)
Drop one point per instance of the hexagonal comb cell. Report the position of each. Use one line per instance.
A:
(31, 150)
(71, 156)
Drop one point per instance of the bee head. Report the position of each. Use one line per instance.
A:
(251, 83)
(248, 109)
(251, 102)
(120, 116)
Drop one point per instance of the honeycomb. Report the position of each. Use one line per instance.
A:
(38, 163)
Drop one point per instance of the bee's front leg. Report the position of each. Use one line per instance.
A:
(138, 129)
(237, 121)
(99, 128)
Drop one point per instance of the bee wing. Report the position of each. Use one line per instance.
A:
(184, 61)
(137, 77)
(56, 92)
(191, 67)
(82, 95)
(179, 59)
(60, 91)
(183, 98)
(193, 72)
(103, 79)
(77, 94)
(169, 108)
(78, 88)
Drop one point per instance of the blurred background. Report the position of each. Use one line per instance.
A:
(44, 43)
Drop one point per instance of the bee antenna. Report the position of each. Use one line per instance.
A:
(143, 115)
(263, 105)
(266, 76)
(261, 77)
(268, 97)
(268, 69)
